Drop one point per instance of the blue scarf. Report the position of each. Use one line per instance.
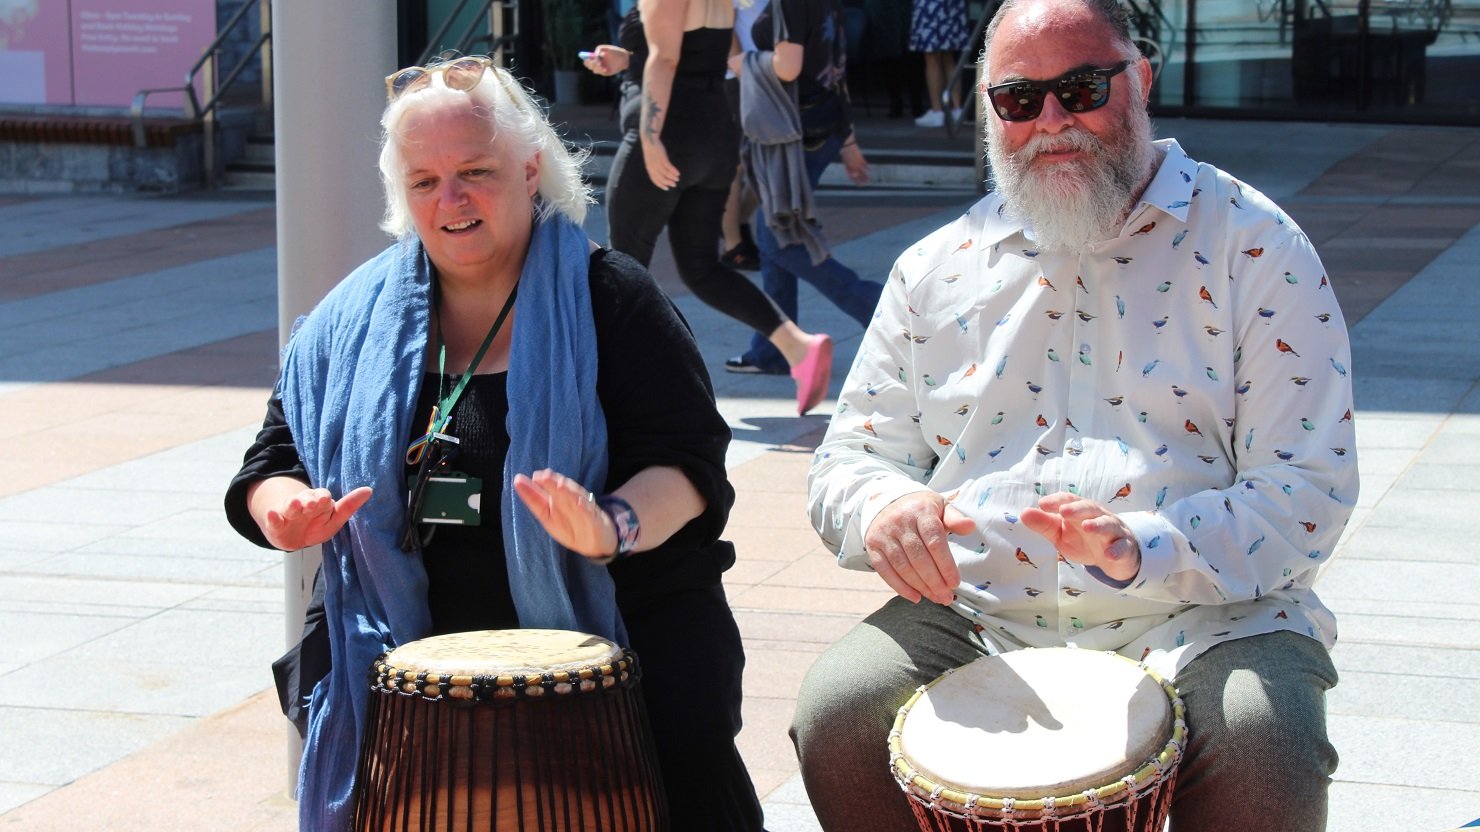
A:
(349, 385)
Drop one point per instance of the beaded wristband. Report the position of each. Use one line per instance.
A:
(624, 518)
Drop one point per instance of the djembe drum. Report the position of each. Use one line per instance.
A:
(508, 730)
(1055, 739)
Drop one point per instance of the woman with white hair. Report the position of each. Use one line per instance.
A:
(494, 339)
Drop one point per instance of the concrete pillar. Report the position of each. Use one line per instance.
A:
(329, 59)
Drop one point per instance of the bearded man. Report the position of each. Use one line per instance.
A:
(1108, 407)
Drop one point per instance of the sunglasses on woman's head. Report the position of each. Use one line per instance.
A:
(1077, 92)
(458, 74)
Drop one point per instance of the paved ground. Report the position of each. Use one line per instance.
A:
(138, 343)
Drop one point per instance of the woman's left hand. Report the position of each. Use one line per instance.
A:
(568, 512)
(854, 164)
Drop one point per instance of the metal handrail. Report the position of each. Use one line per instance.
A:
(193, 108)
(970, 53)
(470, 34)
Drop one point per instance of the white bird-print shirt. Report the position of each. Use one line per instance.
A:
(1191, 373)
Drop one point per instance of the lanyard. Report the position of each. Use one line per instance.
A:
(442, 411)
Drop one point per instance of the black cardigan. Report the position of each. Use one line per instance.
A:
(659, 406)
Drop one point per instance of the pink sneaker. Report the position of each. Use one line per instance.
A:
(813, 374)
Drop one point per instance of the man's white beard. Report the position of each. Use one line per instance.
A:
(1072, 206)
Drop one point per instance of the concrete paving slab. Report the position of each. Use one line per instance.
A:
(1435, 662)
(40, 224)
(1381, 624)
(176, 310)
(1363, 806)
(1449, 476)
(1406, 393)
(13, 559)
(1378, 428)
(17, 794)
(164, 569)
(138, 598)
(35, 634)
(1373, 489)
(1422, 753)
(1418, 582)
(145, 507)
(240, 597)
(1407, 696)
(71, 743)
(1453, 449)
(1394, 544)
(206, 640)
(1306, 151)
(126, 685)
(1445, 614)
(1428, 509)
(1385, 462)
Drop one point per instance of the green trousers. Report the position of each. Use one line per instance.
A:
(1258, 756)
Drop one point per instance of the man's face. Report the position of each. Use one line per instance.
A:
(1071, 176)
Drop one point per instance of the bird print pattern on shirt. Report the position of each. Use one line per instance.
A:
(1199, 442)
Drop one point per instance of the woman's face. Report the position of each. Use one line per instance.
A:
(470, 194)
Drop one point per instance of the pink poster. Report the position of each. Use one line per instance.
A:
(35, 52)
(122, 46)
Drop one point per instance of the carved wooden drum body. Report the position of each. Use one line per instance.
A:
(509, 730)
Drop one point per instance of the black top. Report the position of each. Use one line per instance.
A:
(704, 53)
(818, 27)
(659, 407)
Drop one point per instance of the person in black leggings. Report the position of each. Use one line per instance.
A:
(676, 172)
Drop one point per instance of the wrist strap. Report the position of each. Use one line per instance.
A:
(624, 518)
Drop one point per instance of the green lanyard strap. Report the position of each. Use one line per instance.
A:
(442, 412)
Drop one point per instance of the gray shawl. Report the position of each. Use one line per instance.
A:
(772, 152)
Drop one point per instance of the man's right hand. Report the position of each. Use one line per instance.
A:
(907, 544)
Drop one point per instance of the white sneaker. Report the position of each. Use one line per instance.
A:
(956, 116)
(933, 118)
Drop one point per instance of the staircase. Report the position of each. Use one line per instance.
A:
(256, 169)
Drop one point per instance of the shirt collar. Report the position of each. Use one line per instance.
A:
(1171, 188)
(1000, 230)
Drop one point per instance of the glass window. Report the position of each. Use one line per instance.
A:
(1405, 60)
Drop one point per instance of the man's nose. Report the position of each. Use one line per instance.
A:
(1054, 118)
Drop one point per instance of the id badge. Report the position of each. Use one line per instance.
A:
(453, 499)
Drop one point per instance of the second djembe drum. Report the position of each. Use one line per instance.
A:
(1055, 739)
(508, 730)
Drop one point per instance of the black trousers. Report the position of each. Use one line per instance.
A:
(703, 142)
(688, 647)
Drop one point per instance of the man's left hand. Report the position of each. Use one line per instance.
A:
(1086, 532)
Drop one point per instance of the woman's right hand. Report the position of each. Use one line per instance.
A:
(294, 517)
(608, 60)
(660, 168)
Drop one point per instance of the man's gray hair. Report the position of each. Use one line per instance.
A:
(1110, 11)
(514, 116)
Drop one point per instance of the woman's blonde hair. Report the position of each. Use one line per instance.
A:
(513, 116)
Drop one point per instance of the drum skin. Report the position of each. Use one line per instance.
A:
(508, 730)
(1051, 739)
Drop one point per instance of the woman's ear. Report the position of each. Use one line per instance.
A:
(532, 175)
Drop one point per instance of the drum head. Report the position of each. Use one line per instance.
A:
(503, 652)
(503, 665)
(1037, 722)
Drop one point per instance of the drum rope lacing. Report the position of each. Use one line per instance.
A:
(620, 671)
